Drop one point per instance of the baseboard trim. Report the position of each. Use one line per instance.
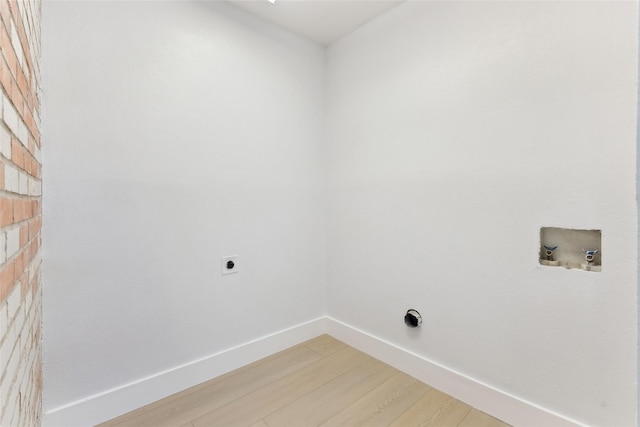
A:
(499, 404)
(115, 402)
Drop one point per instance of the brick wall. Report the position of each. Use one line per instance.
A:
(20, 214)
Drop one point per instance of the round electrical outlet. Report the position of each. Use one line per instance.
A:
(413, 319)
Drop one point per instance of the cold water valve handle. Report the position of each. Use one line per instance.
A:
(413, 319)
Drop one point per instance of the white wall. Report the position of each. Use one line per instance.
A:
(456, 130)
(181, 132)
(177, 133)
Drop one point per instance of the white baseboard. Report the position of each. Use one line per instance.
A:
(499, 404)
(112, 403)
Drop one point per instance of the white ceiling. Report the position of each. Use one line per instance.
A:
(323, 21)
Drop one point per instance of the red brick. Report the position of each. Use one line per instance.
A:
(15, 13)
(24, 235)
(24, 285)
(19, 266)
(17, 153)
(5, 73)
(6, 281)
(28, 209)
(22, 84)
(18, 210)
(34, 227)
(10, 55)
(5, 13)
(29, 121)
(36, 170)
(24, 42)
(27, 162)
(28, 98)
(4, 25)
(16, 98)
(33, 248)
(6, 212)
(21, 209)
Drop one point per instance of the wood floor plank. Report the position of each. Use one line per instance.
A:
(477, 418)
(319, 382)
(196, 388)
(186, 406)
(434, 409)
(317, 406)
(325, 345)
(382, 405)
(282, 392)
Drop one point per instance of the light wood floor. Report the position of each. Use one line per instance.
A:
(321, 382)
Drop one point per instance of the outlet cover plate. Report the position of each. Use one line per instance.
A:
(227, 261)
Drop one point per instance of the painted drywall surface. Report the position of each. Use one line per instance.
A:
(179, 132)
(456, 130)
